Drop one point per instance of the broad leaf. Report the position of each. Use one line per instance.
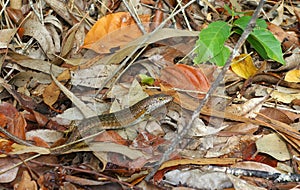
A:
(210, 46)
(262, 40)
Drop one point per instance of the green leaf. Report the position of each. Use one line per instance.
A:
(262, 40)
(243, 22)
(210, 45)
(145, 79)
(270, 44)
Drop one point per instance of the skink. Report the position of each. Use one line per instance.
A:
(117, 120)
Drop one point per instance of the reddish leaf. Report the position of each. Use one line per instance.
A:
(3, 120)
(5, 146)
(147, 142)
(111, 136)
(186, 78)
(15, 121)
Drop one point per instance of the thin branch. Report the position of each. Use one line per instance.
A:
(213, 87)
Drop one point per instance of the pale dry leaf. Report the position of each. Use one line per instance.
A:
(85, 110)
(39, 32)
(117, 148)
(229, 145)
(252, 165)
(274, 146)
(247, 109)
(69, 39)
(53, 24)
(283, 97)
(38, 65)
(61, 9)
(240, 184)
(6, 175)
(92, 77)
(45, 134)
(279, 18)
(198, 179)
(23, 78)
(6, 36)
(199, 129)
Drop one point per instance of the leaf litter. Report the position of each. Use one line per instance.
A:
(248, 122)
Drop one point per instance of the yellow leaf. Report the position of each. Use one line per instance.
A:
(243, 66)
(292, 76)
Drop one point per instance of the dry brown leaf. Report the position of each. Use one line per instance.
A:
(38, 31)
(6, 37)
(26, 183)
(276, 114)
(52, 91)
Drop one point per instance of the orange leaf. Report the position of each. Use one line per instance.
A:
(112, 31)
(243, 66)
(186, 78)
(52, 91)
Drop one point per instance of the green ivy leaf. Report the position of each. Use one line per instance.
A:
(262, 40)
(210, 45)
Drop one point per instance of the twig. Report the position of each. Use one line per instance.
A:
(134, 16)
(14, 138)
(276, 177)
(213, 87)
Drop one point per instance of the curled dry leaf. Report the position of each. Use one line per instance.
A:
(114, 31)
(46, 35)
(186, 77)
